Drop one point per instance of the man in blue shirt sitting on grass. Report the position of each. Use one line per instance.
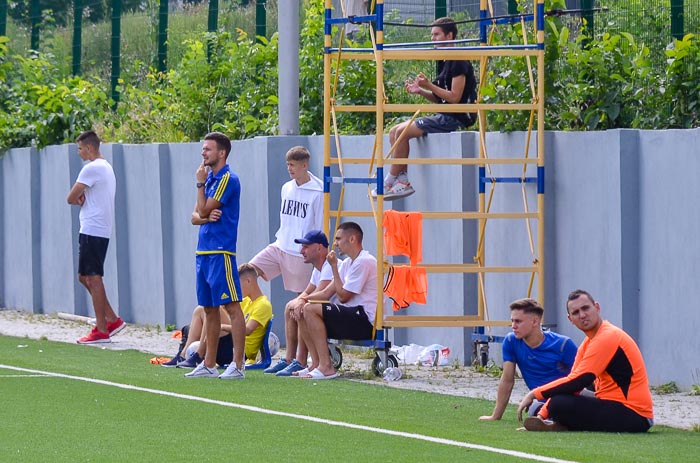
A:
(541, 356)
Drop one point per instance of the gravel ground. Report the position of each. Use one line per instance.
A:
(679, 410)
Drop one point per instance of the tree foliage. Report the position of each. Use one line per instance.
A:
(38, 108)
(228, 81)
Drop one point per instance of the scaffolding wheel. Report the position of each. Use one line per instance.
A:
(378, 366)
(336, 356)
(484, 354)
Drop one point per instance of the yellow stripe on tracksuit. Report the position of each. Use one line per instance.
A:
(229, 278)
(222, 186)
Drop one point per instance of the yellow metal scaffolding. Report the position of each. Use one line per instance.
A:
(534, 104)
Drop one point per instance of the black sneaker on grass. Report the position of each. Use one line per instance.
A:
(172, 363)
(535, 423)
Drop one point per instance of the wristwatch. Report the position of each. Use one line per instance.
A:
(200, 185)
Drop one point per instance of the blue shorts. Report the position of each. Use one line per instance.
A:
(439, 123)
(217, 280)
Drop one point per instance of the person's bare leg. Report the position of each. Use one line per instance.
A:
(212, 327)
(402, 147)
(237, 331)
(317, 337)
(304, 336)
(291, 329)
(196, 328)
(202, 349)
(225, 320)
(103, 310)
(302, 351)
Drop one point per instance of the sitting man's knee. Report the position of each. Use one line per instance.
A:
(399, 129)
(312, 310)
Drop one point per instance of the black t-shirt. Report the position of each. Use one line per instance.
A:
(447, 70)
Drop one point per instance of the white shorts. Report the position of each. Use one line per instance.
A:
(273, 261)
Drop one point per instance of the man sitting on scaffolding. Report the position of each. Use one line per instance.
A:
(455, 84)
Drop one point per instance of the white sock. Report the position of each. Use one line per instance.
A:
(389, 179)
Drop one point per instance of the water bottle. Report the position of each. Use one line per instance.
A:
(392, 374)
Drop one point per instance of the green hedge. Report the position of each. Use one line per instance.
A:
(607, 82)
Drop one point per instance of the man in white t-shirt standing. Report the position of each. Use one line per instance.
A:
(94, 192)
(301, 212)
(352, 305)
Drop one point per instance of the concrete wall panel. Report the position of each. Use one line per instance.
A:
(183, 159)
(669, 254)
(17, 239)
(586, 204)
(619, 219)
(138, 173)
(58, 279)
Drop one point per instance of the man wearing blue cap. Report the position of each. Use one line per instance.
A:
(314, 249)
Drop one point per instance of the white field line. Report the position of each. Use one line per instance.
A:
(408, 435)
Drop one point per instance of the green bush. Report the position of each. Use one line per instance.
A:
(594, 84)
(40, 108)
(228, 81)
(681, 83)
(608, 84)
(234, 91)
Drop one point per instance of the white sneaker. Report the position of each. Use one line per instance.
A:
(399, 190)
(232, 372)
(387, 187)
(202, 371)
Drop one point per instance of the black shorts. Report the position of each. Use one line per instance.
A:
(344, 322)
(224, 353)
(92, 251)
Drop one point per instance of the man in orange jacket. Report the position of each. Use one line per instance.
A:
(610, 359)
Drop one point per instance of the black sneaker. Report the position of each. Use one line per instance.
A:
(191, 362)
(535, 423)
(172, 363)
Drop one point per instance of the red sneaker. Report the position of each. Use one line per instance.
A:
(95, 336)
(116, 326)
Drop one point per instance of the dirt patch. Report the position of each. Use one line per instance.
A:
(679, 410)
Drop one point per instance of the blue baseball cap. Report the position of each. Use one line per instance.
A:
(314, 236)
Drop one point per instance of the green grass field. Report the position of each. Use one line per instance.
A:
(64, 402)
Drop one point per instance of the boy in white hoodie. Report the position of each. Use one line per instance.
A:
(301, 212)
